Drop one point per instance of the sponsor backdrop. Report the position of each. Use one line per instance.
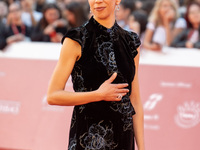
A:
(170, 96)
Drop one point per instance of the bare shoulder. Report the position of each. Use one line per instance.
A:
(71, 49)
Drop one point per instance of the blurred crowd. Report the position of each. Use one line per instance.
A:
(174, 23)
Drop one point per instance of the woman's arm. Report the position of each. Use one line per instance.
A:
(147, 41)
(138, 118)
(56, 95)
(169, 34)
(167, 20)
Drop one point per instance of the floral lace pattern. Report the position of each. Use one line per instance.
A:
(105, 54)
(98, 137)
(73, 120)
(72, 143)
(126, 109)
(77, 79)
(134, 43)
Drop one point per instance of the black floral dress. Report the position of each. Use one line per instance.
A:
(103, 125)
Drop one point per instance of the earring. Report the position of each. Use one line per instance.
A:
(118, 7)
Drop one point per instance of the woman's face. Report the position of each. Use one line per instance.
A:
(3, 9)
(51, 15)
(103, 8)
(70, 17)
(14, 12)
(26, 4)
(165, 7)
(131, 20)
(194, 14)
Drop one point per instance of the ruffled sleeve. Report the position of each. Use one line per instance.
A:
(74, 34)
(136, 39)
(134, 43)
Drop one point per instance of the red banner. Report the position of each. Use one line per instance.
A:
(170, 96)
(172, 107)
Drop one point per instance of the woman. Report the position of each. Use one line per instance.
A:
(190, 38)
(102, 59)
(51, 27)
(75, 14)
(161, 27)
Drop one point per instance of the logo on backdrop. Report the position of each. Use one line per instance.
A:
(188, 115)
(9, 107)
(2, 74)
(152, 101)
(149, 106)
(175, 85)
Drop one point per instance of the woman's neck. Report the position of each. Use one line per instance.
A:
(196, 26)
(107, 22)
(17, 22)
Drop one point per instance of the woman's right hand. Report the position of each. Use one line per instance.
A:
(49, 29)
(15, 38)
(169, 17)
(112, 92)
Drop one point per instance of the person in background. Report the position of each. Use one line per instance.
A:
(161, 26)
(3, 12)
(16, 30)
(126, 8)
(190, 38)
(138, 4)
(51, 27)
(61, 5)
(9, 2)
(2, 35)
(75, 14)
(67, 2)
(147, 6)
(39, 5)
(30, 17)
(137, 22)
(188, 2)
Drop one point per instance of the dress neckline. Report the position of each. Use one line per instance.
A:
(101, 27)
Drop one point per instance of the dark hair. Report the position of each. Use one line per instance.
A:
(43, 21)
(189, 24)
(148, 6)
(79, 13)
(141, 17)
(128, 4)
(187, 2)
